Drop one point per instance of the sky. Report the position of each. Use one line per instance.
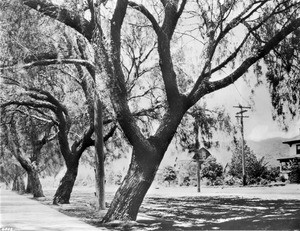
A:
(260, 124)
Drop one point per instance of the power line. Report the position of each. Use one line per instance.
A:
(242, 97)
(240, 114)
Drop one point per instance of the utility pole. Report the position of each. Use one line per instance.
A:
(241, 115)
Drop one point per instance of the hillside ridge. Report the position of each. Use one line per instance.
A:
(271, 149)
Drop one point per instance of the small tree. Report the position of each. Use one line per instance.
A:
(254, 168)
(212, 170)
(187, 172)
(169, 174)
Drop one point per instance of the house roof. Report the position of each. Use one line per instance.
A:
(289, 158)
(294, 140)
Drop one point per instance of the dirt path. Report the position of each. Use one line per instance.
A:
(21, 213)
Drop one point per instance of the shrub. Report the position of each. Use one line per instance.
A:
(169, 174)
(255, 169)
(219, 181)
(264, 182)
(294, 175)
(212, 170)
(230, 180)
(282, 178)
(187, 173)
(271, 174)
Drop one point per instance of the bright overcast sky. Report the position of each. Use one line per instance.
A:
(260, 124)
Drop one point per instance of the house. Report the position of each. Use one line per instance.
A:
(293, 157)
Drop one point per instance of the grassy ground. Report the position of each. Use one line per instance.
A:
(267, 208)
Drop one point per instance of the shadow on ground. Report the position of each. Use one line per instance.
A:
(197, 213)
(222, 213)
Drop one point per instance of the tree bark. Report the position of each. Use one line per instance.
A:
(36, 185)
(63, 193)
(146, 158)
(131, 193)
(99, 154)
(18, 184)
(29, 184)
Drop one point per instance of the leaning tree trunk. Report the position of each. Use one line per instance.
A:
(131, 193)
(36, 186)
(63, 193)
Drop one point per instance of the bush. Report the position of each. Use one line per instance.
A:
(294, 175)
(187, 173)
(230, 180)
(271, 174)
(212, 170)
(169, 174)
(255, 169)
(219, 181)
(264, 182)
(282, 178)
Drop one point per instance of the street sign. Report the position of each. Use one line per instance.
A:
(200, 156)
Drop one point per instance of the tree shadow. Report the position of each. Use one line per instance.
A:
(195, 213)
(190, 213)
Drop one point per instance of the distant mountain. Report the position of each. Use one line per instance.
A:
(271, 149)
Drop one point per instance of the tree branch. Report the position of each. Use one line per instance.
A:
(72, 19)
(49, 98)
(47, 62)
(14, 146)
(85, 141)
(110, 133)
(208, 87)
(117, 78)
(172, 16)
(164, 36)
(30, 104)
(36, 117)
(148, 15)
(213, 43)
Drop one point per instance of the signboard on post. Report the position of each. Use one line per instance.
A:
(200, 156)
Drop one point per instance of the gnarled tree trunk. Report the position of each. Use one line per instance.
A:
(63, 193)
(36, 186)
(131, 193)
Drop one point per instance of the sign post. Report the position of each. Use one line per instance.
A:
(200, 156)
(198, 175)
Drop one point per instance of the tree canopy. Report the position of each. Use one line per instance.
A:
(222, 40)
